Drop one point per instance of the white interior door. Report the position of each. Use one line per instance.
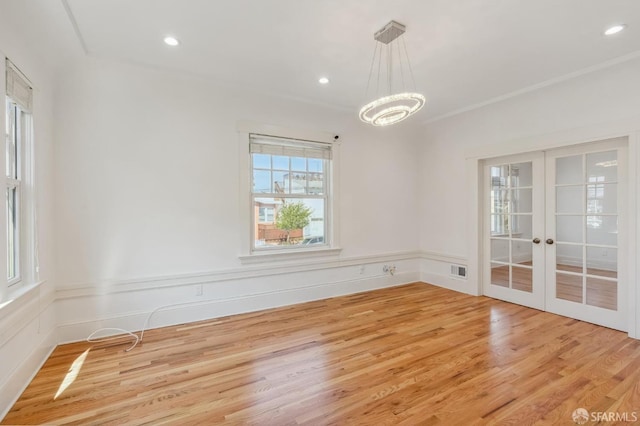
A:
(554, 231)
(514, 228)
(585, 202)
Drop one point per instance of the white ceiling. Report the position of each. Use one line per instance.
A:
(463, 52)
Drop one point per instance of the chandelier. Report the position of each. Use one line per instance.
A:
(391, 108)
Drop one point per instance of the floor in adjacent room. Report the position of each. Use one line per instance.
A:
(414, 354)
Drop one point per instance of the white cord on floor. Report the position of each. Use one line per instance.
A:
(91, 339)
(144, 327)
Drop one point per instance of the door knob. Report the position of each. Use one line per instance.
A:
(549, 241)
(536, 241)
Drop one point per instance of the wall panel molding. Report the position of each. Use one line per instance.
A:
(253, 271)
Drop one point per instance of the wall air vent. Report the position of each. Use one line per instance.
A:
(459, 271)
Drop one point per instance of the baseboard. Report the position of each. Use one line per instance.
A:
(17, 382)
(448, 282)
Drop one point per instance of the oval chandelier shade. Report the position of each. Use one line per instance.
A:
(391, 108)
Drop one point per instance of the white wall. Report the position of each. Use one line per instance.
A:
(601, 104)
(27, 314)
(139, 196)
(147, 193)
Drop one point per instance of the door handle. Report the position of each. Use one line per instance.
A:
(536, 241)
(549, 241)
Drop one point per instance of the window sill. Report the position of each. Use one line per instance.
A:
(12, 301)
(289, 255)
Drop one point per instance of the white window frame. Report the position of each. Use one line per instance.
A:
(16, 131)
(247, 211)
(18, 93)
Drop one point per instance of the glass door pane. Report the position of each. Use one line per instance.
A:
(510, 203)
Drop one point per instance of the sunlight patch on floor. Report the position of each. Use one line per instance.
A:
(72, 373)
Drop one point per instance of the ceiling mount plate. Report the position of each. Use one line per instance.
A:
(389, 32)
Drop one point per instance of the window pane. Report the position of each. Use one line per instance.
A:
(281, 182)
(522, 226)
(499, 202)
(602, 293)
(569, 229)
(315, 165)
(261, 181)
(522, 252)
(261, 161)
(521, 200)
(569, 257)
(602, 230)
(569, 287)
(602, 198)
(500, 275)
(602, 261)
(295, 222)
(499, 176)
(569, 170)
(569, 199)
(11, 141)
(500, 224)
(602, 166)
(522, 279)
(298, 183)
(315, 182)
(521, 174)
(299, 164)
(280, 162)
(12, 234)
(500, 250)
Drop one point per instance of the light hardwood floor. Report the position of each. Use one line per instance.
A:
(414, 354)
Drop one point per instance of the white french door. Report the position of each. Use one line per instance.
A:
(554, 231)
(514, 219)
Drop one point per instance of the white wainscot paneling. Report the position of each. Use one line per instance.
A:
(27, 337)
(176, 300)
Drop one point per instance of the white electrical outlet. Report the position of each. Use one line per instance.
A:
(198, 289)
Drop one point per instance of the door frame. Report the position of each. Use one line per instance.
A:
(628, 129)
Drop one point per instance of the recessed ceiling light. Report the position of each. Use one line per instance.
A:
(171, 41)
(615, 29)
(323, 80)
